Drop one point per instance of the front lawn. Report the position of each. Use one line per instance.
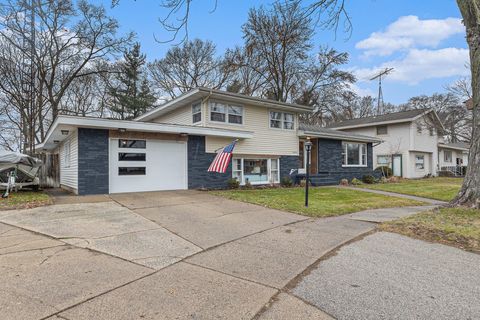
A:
(24, 200)
(324, 201)
(444, 189)
(459, 227)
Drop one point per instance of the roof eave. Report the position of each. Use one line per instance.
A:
(129, 125)
(303, 133)
(220, 95)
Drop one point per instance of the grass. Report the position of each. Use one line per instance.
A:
(444, 189)
(324, 201)
(459, 227)
(24, 200)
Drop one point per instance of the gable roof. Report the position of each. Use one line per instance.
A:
(395, 117)
(321, 132)
(202, 93)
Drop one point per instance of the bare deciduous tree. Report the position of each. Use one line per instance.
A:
(71, 40)
(469, 195)
(194, 64)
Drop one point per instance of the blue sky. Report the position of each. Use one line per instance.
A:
(423, 40)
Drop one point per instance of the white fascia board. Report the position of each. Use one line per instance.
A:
(170, 105)
(129, 125)
(446, 146)
(222, 96)
(435, 115)
(373, 124)
(338, 137)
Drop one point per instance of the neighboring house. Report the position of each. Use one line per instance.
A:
(410, 141)
(453, 157)
(172, 146)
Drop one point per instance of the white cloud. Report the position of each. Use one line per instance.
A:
(409, 32)
(362, 92)
(422, 64)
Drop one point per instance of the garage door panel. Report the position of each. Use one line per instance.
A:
(165, 167)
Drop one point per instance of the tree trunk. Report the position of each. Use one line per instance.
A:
(469, 195)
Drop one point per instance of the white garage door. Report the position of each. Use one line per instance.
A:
(147, 165)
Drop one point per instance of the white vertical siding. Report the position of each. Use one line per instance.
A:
(69, 171)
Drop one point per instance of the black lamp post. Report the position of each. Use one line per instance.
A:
(308, 148)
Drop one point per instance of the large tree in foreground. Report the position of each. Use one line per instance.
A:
(469, 195)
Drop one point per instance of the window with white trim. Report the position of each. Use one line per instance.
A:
(354, 154)
(256, 171)
(66, 154)
(447, 156)
(383, 160)
(282, 120)
(227, 113)
(381, 130)
(419, 162)
(196, 112)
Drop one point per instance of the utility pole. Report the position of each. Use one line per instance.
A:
(379, 76)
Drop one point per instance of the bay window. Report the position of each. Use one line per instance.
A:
(282, 120)
(221, 112)
(256, 171)
(354, 154)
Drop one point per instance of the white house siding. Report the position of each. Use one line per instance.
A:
(265, 141)
(402, 138)
(413, 172)
(69, 171)
(396, 141)
(455, 154)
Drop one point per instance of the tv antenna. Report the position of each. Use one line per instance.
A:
(379, 76)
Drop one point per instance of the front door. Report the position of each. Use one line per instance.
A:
(397, 165)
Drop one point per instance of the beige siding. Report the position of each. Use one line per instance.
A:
(265, 141)
(69, 171)
(182, 115)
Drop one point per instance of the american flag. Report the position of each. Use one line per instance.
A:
(222, 159)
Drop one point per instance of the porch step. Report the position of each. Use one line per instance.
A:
(322, 181)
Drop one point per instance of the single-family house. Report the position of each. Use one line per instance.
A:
(172, 146)
(453, 157)
(413, 144)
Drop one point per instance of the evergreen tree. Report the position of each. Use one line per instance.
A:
(130, 95)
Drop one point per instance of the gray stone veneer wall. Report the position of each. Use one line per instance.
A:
(330, 161)
(287, 163)
(92, 161)
(198, 163)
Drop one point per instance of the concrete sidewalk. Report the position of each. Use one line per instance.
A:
(390, 276)
(398, 195)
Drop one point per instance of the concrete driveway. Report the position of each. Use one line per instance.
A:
(166, 255)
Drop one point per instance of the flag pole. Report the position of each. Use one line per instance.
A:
(216, 150)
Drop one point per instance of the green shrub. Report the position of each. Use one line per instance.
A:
(369, 179)
(356, 182)
(233, 183)
(384, 171)
(286, 182)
